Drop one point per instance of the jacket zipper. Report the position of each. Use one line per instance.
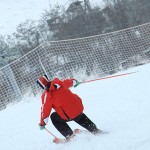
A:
(66, 114)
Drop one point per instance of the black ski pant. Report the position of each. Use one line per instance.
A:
(62, 126)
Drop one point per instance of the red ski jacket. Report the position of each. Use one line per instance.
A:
(62, 100)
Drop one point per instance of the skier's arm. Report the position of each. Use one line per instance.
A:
(45, 109)
(70, 83)
(56, 83)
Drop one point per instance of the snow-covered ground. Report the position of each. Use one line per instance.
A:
(120, 106)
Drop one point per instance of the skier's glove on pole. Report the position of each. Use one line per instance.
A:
(77, 83)
(41, 127)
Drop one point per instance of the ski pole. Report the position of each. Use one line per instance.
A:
(114, 76)
(51, 133)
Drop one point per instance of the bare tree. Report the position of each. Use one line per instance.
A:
(115, 12)
(28, 34)
(125, 13)
(136, 11)
(3, 46)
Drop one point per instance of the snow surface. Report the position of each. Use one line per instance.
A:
(120, 106)
(13, 12)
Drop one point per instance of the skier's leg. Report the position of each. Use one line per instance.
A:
(85, 122)
(61, 125)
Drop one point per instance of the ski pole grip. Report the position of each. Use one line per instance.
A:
(78, 83)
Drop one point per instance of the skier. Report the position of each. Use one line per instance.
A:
(67, 106)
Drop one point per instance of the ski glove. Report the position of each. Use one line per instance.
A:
(76, 83)
(41, 127)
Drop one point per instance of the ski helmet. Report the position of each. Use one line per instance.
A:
(43, 81)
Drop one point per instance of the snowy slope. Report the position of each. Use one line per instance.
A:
(120, 106)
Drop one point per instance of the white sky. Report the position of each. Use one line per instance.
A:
(13, 12)
(120, 106)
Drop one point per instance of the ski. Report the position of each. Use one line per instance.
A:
(76, 131)
(64, 140)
